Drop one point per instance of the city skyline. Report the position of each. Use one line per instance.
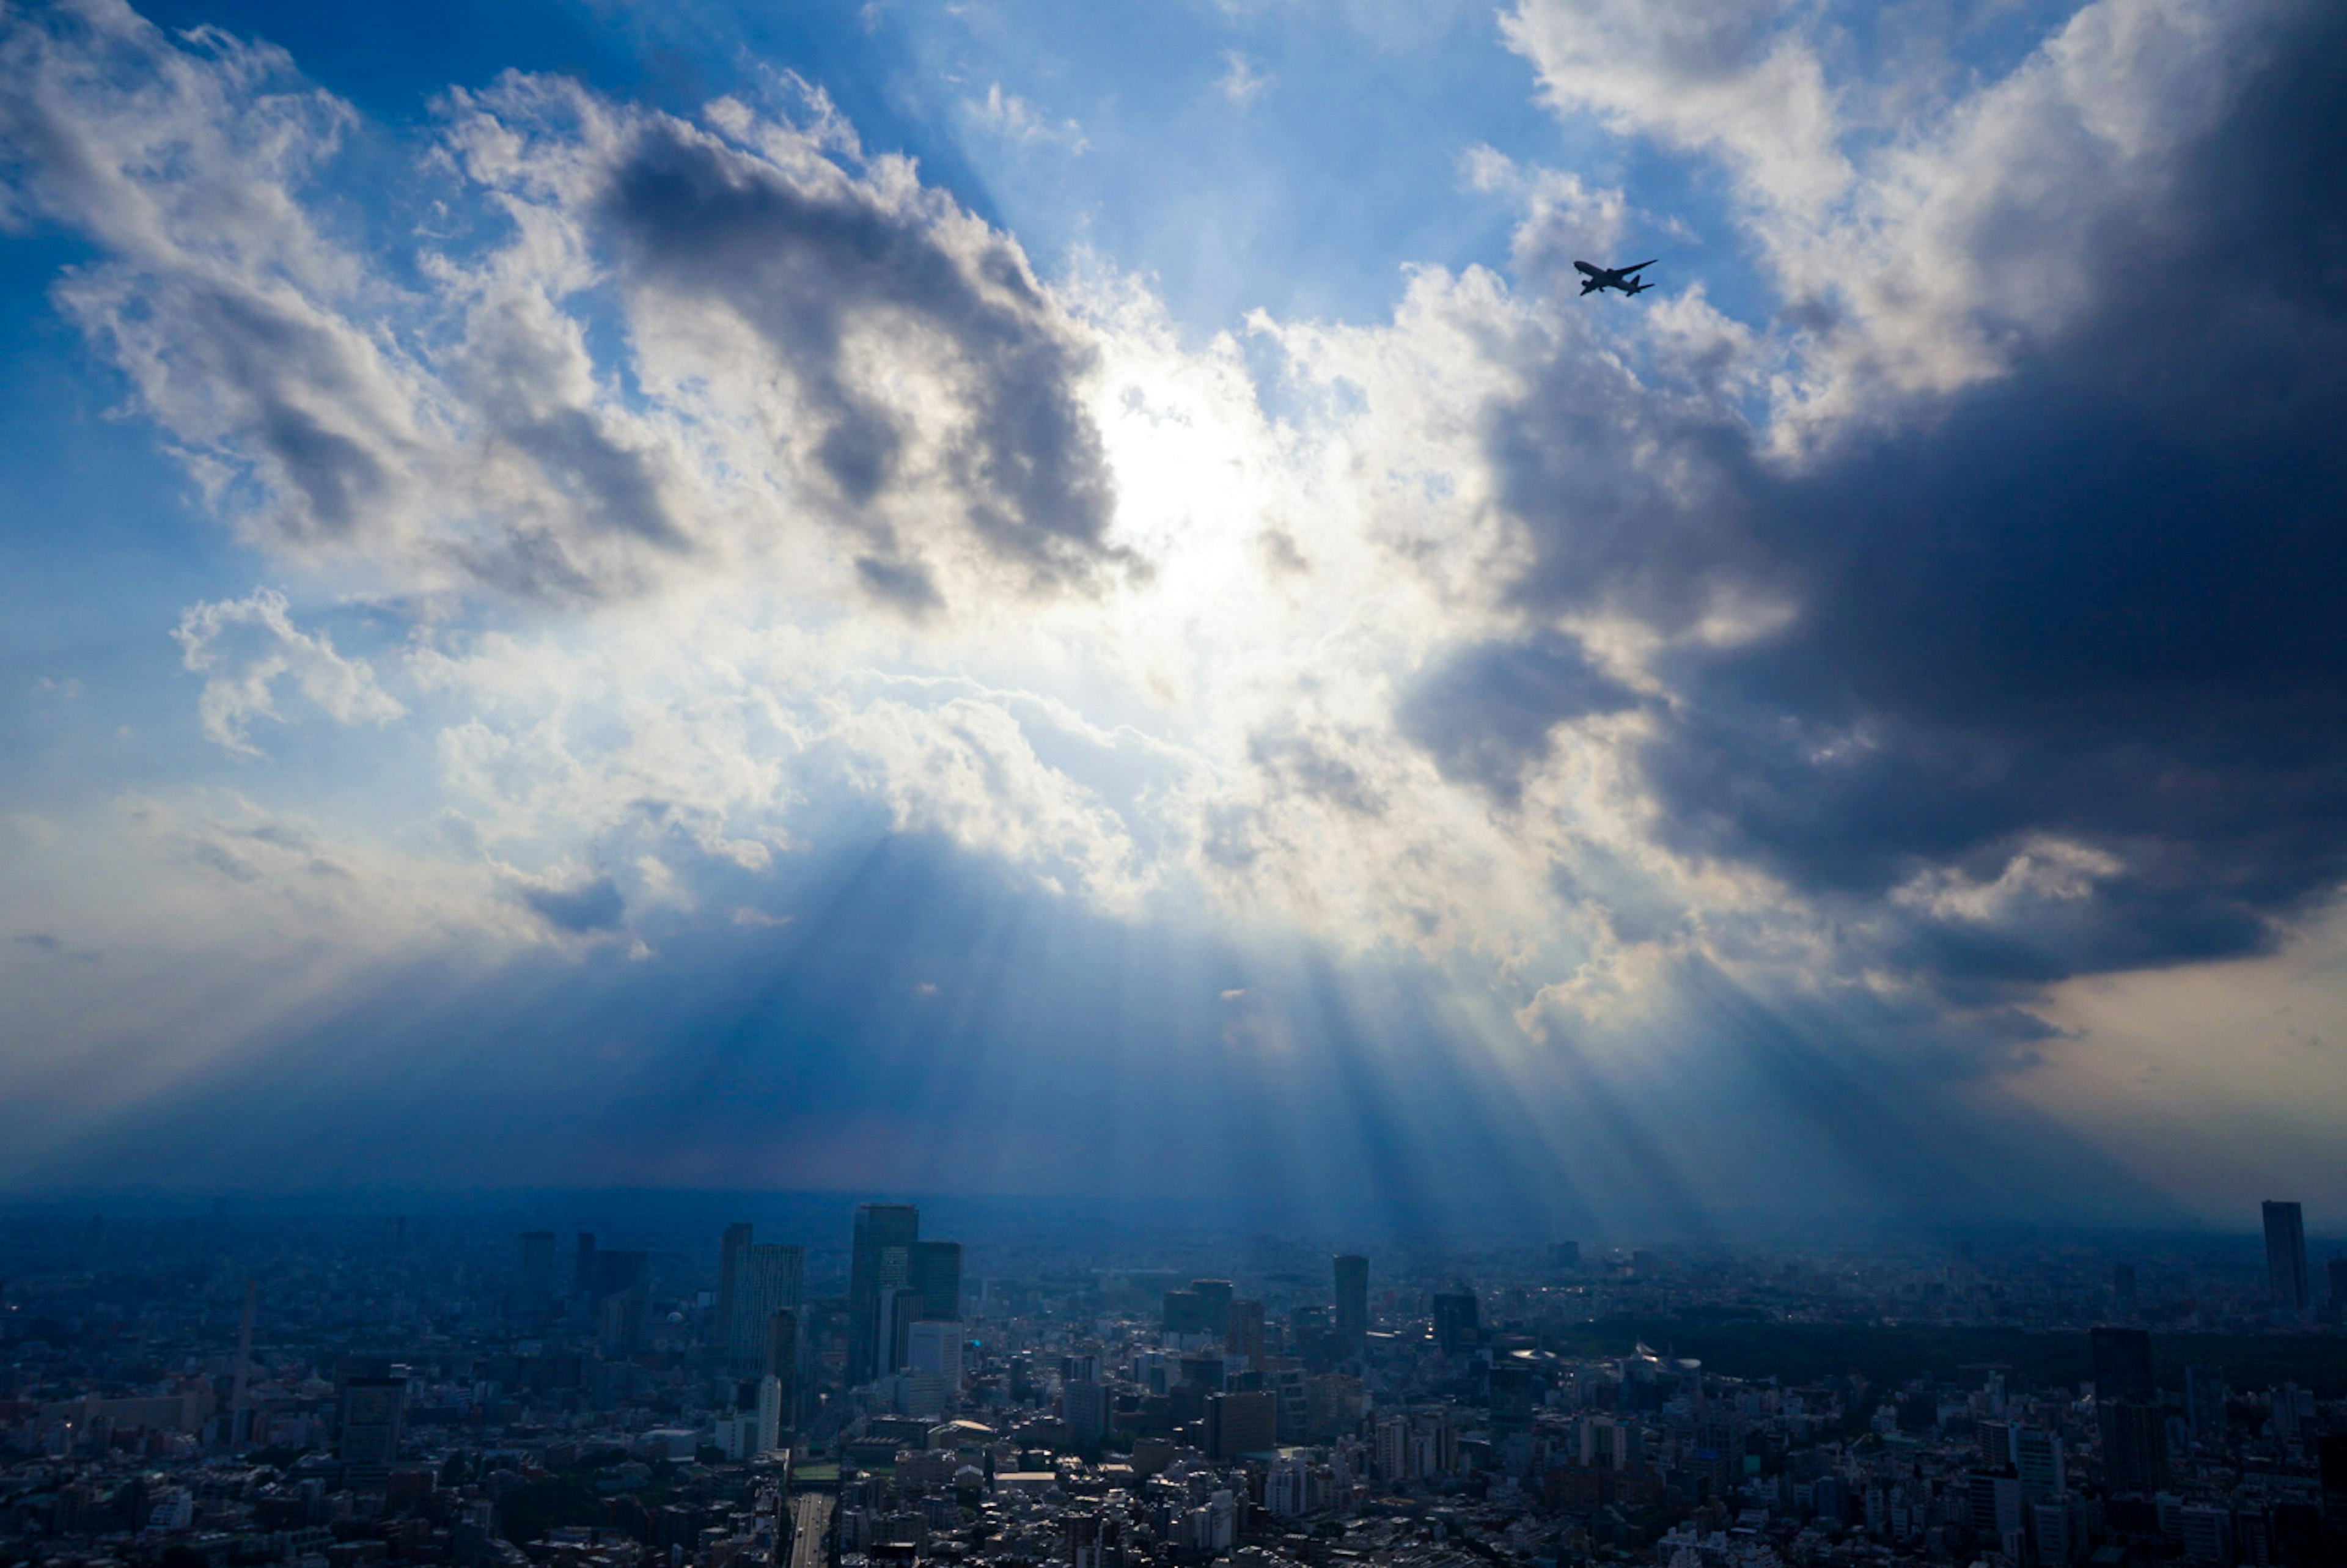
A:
(1000, 599)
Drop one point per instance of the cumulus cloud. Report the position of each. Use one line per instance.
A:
(243, 648)
(837, 367)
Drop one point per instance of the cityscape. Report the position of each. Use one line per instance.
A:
(194, 1388)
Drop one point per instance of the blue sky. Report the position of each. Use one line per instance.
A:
(1045, 597)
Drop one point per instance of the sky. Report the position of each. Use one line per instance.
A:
(1025, 598)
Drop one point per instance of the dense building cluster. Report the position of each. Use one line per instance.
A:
(210, 1394)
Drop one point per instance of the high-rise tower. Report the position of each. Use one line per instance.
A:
(879, 1266)
(2286, 1274)
(767, 1279)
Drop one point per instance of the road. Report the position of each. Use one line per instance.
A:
(811, 1530)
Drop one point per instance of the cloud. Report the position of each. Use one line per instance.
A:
(1012, 117)
(243, 648)
(582, 908)
(1241, 81)
(813, 337)
(2079, 598)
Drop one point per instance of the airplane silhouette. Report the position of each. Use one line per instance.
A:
(1626, 278)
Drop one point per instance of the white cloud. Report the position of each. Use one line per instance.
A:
(1012, 117)
(243, 648)
(1242, 80)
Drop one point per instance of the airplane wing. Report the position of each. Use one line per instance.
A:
(1634, 266)
(1586, 267)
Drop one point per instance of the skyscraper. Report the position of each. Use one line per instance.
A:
(374, 1407)
(937, 1275)
(1240, 1424)
(1246, 1334)
(736, 1242)
(2204, 1402)
(1454, 1320)
(782, 1364)
(1352, 1279)
(1215, 1294)
(2286, 1274)
(766, 1280)
(879, 1265)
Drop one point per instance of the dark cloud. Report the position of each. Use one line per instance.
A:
(2100, 600)
(805, 259)
(592, 905)
(1314, 765)
(1487, 712)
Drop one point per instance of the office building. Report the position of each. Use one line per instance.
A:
(622, 1300)
(1564, 1256)
(1455, 1320)
(2286, 1272)
(1240, 1424)
(783, 1361)
(2338, 1270)
(373, 1408)
(1247, 1336)
(2037, 1456)
(880, 1264)
(1352, 1324)
(730, 1248)
(2135, 1445)
(935, 1347)
(767, 1278)
(1085, 1407)
(937, 1275)
(1993, 1505)
(2204, 1403)
(1214, 1296)
(1185, 1314)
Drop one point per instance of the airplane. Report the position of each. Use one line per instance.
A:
(1596, 279)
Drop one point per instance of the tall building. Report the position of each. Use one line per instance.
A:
(2286, 1274)
(767, 1279)
(2037, 1456)
(1240, 1424)
(1185, 1313)
(534, 1295)
(879, 1265)
(1564, 1255)
(2122, 1360)
(2204, 1402)
(1455, 1324)
(1247, 1336)
(730, 1248)
(622, 1300)
(2135, 1445)
(1085, 1407)
(1216, 1296)
(1352, 1279)
(373, 1411)
(781, 1363)
(2338, 1269)
(935, 1348)
(937, 1275)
